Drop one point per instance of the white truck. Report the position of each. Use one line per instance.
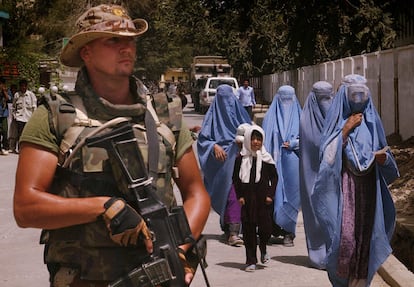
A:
(208, 93)
(204, 67)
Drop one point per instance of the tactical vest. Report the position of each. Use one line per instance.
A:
(86, 172)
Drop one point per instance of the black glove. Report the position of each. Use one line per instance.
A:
(186, 265)
(124, 223)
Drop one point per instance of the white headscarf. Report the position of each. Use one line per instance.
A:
(247, 155)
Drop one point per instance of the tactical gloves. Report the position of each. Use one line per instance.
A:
(124, 223)
(186, 264)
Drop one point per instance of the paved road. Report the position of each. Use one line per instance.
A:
(21, 260)
(288, 267)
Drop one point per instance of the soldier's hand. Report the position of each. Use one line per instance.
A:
(125, 224)
(188, 270)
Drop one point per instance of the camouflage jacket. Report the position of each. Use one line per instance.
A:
(87, 172)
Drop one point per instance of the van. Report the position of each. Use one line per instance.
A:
(208, 93)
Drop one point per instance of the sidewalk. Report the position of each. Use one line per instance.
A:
(288, 267)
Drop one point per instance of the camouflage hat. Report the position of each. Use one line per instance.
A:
(100, 21)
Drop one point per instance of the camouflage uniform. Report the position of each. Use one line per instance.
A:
(88, 247)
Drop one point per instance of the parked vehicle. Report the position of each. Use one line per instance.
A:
(210, 66)
(202, 68)
(208, 93)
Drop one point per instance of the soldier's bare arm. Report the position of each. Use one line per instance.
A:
(196, 200)
(35, 207)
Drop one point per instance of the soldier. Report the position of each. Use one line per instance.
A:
(92, 233)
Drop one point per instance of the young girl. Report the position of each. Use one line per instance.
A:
(255, 179)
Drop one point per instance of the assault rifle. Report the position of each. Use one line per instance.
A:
(170, 228)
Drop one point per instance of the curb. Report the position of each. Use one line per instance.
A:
(395, 273)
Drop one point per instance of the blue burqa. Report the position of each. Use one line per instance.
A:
(219, 127)
(281, 127)
(312, 121)
(358, 150)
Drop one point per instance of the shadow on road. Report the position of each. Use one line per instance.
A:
(239, 266)
(217, 237)
(220, 238)
(294, 260)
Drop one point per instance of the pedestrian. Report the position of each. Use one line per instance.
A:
(4, 113)
(92, 228)
(281, 126)
(24, 104)
(217, 151)
(351, 199)
(255, 180)
(311, 124)
(12, 126)
(181, 91)
(246, 96)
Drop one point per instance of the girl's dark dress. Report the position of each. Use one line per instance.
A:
(255, 212)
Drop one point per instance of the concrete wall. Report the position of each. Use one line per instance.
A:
(390, 77)
(387, 110)
(405, 98)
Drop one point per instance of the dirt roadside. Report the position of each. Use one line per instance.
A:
(401, 191)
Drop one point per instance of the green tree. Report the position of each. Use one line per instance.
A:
(326, 30)
(258, 37)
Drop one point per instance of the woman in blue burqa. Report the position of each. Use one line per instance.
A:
(217, 151)
(351, 198)
(281, 126)
(311, 125)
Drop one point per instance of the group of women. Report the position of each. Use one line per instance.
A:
(332, 161)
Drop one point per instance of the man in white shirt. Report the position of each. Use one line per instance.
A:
(24, 104)
(245, 94)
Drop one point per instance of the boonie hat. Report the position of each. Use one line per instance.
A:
(100, 21)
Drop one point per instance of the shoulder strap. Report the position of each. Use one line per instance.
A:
(151, 125)
(67, 119)
(61, 113)
(79, 123)
(161, 103)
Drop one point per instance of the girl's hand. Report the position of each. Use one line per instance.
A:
(268, 200)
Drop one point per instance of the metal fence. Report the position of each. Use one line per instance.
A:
(389, 74)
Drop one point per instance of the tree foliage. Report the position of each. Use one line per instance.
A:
(264, 36)
(257, 36)
(336, 29)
